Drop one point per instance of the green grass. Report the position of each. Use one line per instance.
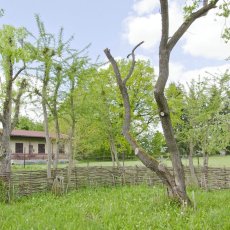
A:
(138, 207)
(214, 161)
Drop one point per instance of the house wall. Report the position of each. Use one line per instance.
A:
(26, 142)
(34, 142)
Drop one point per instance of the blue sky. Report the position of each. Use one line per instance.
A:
(121, 24)
(99, 22)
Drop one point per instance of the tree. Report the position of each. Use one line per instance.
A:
(75, 69)
(26, 123)
(101, 112)
(56, 84)
(15, 54)
(175, 182)
(45, 52)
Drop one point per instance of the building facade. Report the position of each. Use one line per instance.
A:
(31, 145)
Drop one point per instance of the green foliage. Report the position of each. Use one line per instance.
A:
(14, 45)
(190, 7)
(26, 123)
(137, 207)
(99, 109)
(200, 115)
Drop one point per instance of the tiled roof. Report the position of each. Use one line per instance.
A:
(30, 133)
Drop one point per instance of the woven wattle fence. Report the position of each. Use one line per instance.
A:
(28, 182)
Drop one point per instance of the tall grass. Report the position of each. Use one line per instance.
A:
(138, 207)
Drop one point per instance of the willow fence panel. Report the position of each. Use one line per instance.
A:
(28, 182)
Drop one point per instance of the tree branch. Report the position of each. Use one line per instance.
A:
(150, 162)
(19, 71)
(185, 25)
(114, 65)
(164, 23)
(18, 103)
(133, 62)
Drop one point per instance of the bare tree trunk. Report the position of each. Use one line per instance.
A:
(191, 165)
(71, 151)
(55, 114)
(45, 115)
(48, 144)
(5, 151)
(175, 182)
(164, 174)
(114, 151)
(178, 170)
(72, 130)
(112, 156)
(5, 118)
(70, 159)
(57, 152)
(205, 169)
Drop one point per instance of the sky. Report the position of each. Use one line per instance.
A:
(119, 25)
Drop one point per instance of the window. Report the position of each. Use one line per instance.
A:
(19, 147)
(62, 148)
(41, 148)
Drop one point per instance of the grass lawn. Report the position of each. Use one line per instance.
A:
(138, 207)
(214, 161)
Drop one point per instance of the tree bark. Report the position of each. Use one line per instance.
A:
(57, 141)
(45, 116)
(114, 151)
(150, 162)
(7, 122)
(175, 182)
(5, 151)
(72, 129)
(112, 156)
(70, 156)
(191, 165)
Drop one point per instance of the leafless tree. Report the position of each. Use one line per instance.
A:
(175, 181)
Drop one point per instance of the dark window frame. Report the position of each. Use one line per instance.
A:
(41, 149)
(19, 147)
(62, 148)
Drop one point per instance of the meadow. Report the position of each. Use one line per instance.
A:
(214, 161)
(137, 207)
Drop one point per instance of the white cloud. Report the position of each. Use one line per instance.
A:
(179, 74)
(148, 27)
(145, 29)
(145, 6)
(203, 39)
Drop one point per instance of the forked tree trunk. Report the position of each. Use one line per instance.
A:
(173, 186)
(114, 151)
(9, 123)
(191, 165)
(175, 182)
